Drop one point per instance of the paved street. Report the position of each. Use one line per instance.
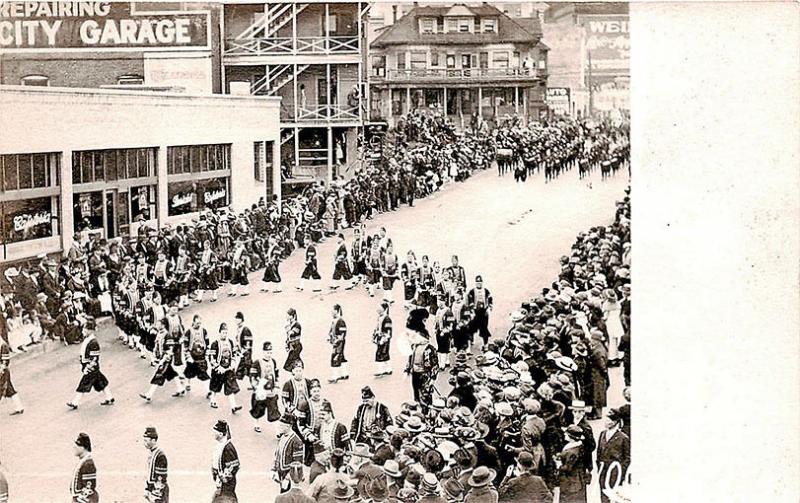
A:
(512, 234)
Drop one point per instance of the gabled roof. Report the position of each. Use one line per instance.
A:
(406, 29)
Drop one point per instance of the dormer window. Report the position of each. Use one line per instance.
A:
(489, 25)
(427, 25)
(464, 25)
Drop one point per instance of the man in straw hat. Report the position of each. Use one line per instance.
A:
(225, 464)
(481, 488)
(84, 478)
(156, 489)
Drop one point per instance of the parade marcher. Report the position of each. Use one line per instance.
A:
(225, 464)
(373, 259)
(92, 377)
(389, 271)
(332, 436)
(613, 454)
(196, 346)
(370, 414)
(156, 488)
(245, 341)
(480, 301)
(293, 345)
(382, 338)
(208, 271)
(7, 389)
(264, 378)
(240, 266)
(83, 488)
(289, 453)
(423, 364)
(409, 274)
(295, 394)
(357, 251)
(175, 332)
(337, 337)
(310, 271)
(271, 272)
(444, 327)
(222, 355)
(341, 267)
(457, 272)
(164, 353)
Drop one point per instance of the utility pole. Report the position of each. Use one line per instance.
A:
(590, 83)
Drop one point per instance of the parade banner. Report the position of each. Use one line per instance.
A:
(558, 100)
(117, 26)
(608, 43)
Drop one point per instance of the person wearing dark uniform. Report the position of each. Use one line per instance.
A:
(341, 268)
(196, 345)
(295, 393)
(425, 283)
(164, 355)
(83, 488)
(175, 331)
(337, 336)
(293, 345)
(422, 362)
(162, 277)
(332, 437)
(7, 389)
(480, 300)
(357, 254)
(370, 415)
(373, 259)
(182, 279)
(389, 267)
(382, 338)
(311, 271)
(289, 454)
(92, 378)
(264, 378)
(457, 273)
(240, 266)
(207, 271)
(445, 324)
(225, 465)
(245, 346)
(156, 489)
(409, 274)
(221, 356)
(271, 272)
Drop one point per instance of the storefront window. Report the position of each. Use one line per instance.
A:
(28, 219)
(198, 158)
(28, 171)
(87, 211)
(143, 203)
(197, 195)
(91, 166)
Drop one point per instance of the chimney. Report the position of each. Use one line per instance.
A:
(394, 14)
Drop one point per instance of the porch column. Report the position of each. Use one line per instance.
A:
(444, 101)
(276, 169)
(408, 99)
(516, 99)
(161, 188)
(480, 101)
(330, 154)
(329, 89)
(66, 217)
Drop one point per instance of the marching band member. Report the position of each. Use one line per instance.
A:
(389, 267)
(296, 392)
(183, 273)
(337, 337)
(175, 335)
(222, 355)
(264, 377)
(164, 355)
(163, 277)
(409, 274)
(422, 363)
(195, 342)
(373, 265)
(425, 283)
(225, 464)
(311, 271)
(92, 377)
(207, 271)
(245, 340)
(293, 345)
(382, 338)
(480, 300)
(6, 387)
(332, 435)
(84, 479)
(457, 273)
(240, 265)
(341, 268)
(271, 273)
(370, 414)
(156, 489)
(357, 250)
(445, 323)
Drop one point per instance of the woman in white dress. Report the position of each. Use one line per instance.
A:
(611, 312)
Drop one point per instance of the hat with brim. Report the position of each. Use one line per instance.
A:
(362, 450)
(343, 491)
(566, 363)
(481, 476)
(414, 424)
(392, 469)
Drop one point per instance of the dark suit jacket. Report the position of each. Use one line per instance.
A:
(617, 448)
(525, 488)
(294, 495)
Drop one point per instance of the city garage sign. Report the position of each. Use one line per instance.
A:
(116, 26)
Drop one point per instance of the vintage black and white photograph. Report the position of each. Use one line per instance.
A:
(315, 251)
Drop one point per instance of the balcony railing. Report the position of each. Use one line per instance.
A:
(328, 112)
(285, 45)
(461, 73)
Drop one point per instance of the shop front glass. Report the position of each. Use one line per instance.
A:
(197, 195)
(28, 219)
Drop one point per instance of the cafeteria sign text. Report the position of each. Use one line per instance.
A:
(114, 26)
